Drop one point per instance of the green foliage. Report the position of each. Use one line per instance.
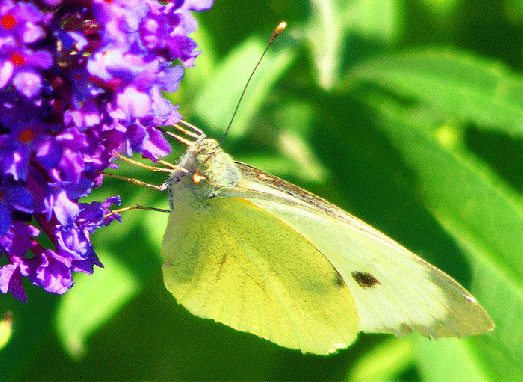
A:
(395, 111)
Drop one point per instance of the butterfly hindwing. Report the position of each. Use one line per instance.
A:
(228, 260)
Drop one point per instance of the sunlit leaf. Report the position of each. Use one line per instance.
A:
(483, 215)
(217, 101)
(93, 300)
(384, 362)
(450, 359)
(466, 86)
(6, 330)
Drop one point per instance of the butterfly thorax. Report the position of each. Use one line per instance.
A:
(204, 169)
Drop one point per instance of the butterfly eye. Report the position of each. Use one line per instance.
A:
(197, 177)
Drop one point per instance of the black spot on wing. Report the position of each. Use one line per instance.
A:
(364, 279)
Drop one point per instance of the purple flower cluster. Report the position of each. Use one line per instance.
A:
(79, 81)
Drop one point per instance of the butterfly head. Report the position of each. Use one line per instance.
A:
(204, 169)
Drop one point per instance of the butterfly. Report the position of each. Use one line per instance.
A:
(261, 255)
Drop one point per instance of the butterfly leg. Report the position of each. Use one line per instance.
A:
(161, 187)
(151, 168)
(187, 129)
(137, 207)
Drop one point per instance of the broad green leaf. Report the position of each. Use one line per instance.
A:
(324, 32)
(466, 86)
(331, 20)
(375, 19)
(456, 360)
(155, 223)
(514, 9)
(196, 77)
(384, 362)
(6, 329)
(216, 103)
(482, 214)
(295, 120)
(502, 350)
(93, 300)
(441, 8)
(458, 185)
(28, 330)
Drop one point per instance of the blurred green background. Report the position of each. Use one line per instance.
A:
(406, 113)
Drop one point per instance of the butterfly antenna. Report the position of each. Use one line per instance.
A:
(279, 28)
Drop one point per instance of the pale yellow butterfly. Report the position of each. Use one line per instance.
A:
(261, 255)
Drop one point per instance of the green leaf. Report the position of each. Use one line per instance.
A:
(375, 19)
(441, 8)
(297, 119)
(456, 360)
(205, 62)
(216, 103)
(384, 362)
(5, 329)
(331, 20)
(514, 9)
(502, 350)
(481, 213)
(325, 33)
(466, 86)
(91, 303)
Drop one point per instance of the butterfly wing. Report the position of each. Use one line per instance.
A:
(231, 261)
(394, 290)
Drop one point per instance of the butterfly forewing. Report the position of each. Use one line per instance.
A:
(395, 291)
